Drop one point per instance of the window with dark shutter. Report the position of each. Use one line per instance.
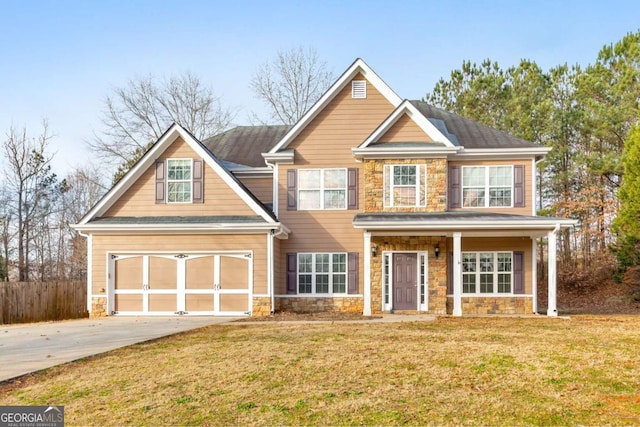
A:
(292, 273)
(160, 181)
(518, 272)
(291, 190)
(455, 192)
(353, 273)
(518, 186)
(352, 188)
(198, 181)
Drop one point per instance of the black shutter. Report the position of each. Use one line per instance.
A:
(160, 181)
(292, 273)
(518, 272)
(352, 278)
(198, 181)
(455, 190)
(352, 188)
(518, 187)
(450, 274)
(292, 204)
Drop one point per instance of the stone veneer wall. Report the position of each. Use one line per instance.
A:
(493, 305)
(436, 197)
(315, 304)
(437, 268)
(98, 307)
(261, 306)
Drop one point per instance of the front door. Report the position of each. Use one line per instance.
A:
(405, 281)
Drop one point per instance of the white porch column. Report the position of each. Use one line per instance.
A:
(367, 274)
(457, 274)
(552, 309)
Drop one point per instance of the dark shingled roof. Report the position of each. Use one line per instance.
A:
(244, 145)
(152, 220)
(444, 216)
(471, 134)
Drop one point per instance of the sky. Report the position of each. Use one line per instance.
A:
(59, 59)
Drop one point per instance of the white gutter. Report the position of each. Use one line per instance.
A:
(451, 225)
(182, 227)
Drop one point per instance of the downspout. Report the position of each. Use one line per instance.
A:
(272, 290)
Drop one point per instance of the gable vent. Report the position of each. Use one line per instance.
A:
(359, 89)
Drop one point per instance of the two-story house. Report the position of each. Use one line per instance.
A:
(369, 203)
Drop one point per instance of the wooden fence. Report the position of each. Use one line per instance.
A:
(22, 302)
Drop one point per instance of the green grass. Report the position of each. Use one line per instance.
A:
(471, 371)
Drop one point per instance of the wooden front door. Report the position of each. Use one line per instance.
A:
(405, 281)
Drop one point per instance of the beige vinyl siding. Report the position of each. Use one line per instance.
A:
(528, 176)
(405, 130)
(262, 188)
(326, 143)
(139, 199)
(279, 268)
(497, 244)
(179, 243)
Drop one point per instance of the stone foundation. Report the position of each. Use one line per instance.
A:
(315, 304)
(493, 305)
(261, 306)
(98, 307)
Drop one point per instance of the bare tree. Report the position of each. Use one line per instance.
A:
(290, 84)
(30, 186)
(137, 114)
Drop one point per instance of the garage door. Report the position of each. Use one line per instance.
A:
(165, 284)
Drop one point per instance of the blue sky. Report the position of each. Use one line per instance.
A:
(61, 58)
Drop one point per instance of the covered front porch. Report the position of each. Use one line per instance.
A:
(456, 262)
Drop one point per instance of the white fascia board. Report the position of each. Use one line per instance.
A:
(359, 66)
(265, 172)
(152, 155)
(500, 153)
(212, 227)
(466, 225)
(133, 175)
(418, 118)
(284, 157)
(403, 152)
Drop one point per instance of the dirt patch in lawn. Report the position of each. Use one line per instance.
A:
(289, 316)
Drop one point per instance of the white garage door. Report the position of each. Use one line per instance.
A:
(165, 284)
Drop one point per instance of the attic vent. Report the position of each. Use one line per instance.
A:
(359, 89)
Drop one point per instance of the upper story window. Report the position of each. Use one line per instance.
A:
(404, 186)
(322, 189)
(179, 176)
(487, 186)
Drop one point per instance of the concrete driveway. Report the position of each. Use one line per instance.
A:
(26, 348)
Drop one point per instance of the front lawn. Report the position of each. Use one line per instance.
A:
(474, 371)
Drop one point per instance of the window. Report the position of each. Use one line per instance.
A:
(487, 186)
(487, 272)
(322, 273)
(404, 186)
(179, 178)
(322, 189)
(358, 89)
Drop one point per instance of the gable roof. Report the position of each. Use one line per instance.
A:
(148, 159)
(471, 134)
(358, 67)
(244, 145)
(407, 108)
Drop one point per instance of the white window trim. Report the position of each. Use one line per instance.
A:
(495, 274)
(322, 189)
(486, 187)
(180, 180)
(358, 92)
(330, 273)
(421, 175)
